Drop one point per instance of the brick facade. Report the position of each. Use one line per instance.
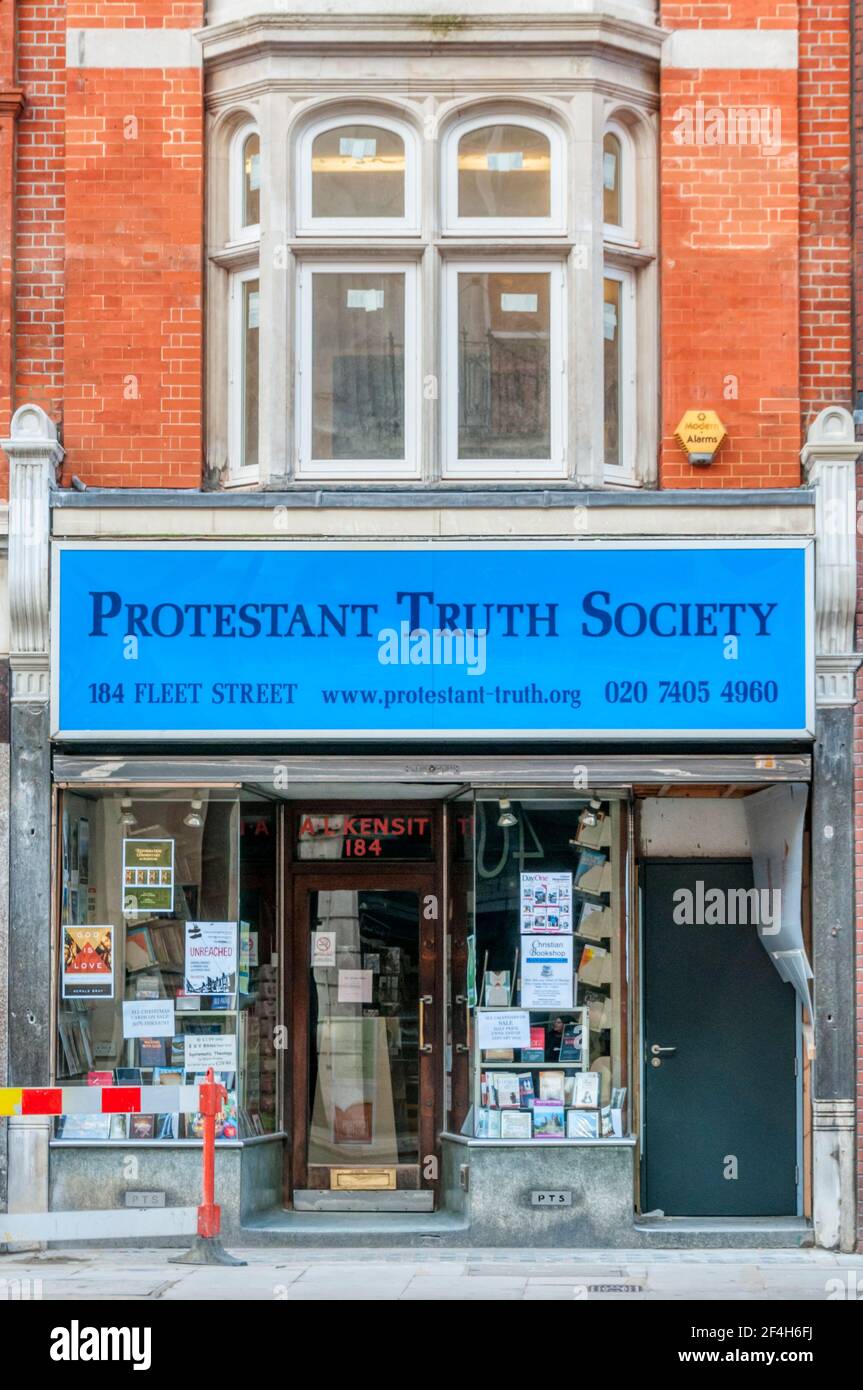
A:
(756, 244)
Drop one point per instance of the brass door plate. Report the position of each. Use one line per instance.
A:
(362, 1179)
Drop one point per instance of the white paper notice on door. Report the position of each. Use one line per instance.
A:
(355, 986)
(546, 972)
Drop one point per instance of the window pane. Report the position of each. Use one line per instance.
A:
(252, 181)
(358, 171)
(612, 340)
(504, 365)
(137, 872)
(611, 180)
(250, 332)
(358, 366)
(504, 171)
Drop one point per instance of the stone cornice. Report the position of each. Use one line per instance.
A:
(533, 33)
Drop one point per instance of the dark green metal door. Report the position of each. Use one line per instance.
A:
(720, 1109)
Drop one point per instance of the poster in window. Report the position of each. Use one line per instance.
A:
(148, 876)
(88, 962)
(546, 972)
(546, 903)
(211, 958)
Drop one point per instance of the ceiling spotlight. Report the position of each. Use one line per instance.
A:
(591, 813)
(194, 819)
(507, 816)
(127, 815)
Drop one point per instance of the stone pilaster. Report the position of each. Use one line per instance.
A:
(34, 454)
(829, 458)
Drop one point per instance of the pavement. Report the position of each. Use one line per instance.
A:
(146, 1275)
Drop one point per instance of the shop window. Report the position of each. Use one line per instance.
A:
(618, 371)
(245, 372)
(545, 974)
(245, 174)
(503, 174)
(168, 956)
(504, 370)
(358, 176)
(358, 362)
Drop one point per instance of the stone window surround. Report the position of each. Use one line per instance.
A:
(257, 72)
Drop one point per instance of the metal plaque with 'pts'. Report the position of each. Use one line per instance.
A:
(551, 1199)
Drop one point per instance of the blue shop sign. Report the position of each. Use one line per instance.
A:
(588, 641)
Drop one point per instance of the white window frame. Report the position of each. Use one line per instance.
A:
(238, 232)
(503, 470)
(239, 473)
(625, 230)
(366, 227)
(624, 472)
(487, 226)
(357, 470)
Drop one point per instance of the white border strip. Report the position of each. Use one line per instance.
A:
(742, 49)
(98, 1225)
(133, 48)
(379, 735)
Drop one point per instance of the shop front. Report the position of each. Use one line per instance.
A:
(477, 872)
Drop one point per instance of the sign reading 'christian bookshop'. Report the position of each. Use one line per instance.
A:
(384, 643)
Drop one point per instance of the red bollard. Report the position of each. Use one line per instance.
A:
(207, 1249)
(212, 1096)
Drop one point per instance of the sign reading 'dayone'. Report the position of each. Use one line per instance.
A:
(575, 639)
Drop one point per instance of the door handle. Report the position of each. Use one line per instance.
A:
(662, 1051)
(423, 1045)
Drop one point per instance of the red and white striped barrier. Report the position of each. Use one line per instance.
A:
(205, 1099)
(98, 1100)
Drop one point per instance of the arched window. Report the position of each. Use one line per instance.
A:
(503, 173)
(358, 173)
(611, 192)
(618, 175)
(245, 175)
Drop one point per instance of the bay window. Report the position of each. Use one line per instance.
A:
(427, 290)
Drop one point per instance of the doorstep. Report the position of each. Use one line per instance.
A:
(734, 1232)
(346, 1228)
(408, 1199)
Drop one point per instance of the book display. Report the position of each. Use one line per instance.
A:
(181, 971)
(546, 1029)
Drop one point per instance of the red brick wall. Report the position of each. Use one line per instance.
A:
(134, 256)
(39, 208)
(756, 251)
(858, 712)
(134, 277)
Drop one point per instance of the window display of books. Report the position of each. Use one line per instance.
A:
(550, 974)
(557, 1106)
